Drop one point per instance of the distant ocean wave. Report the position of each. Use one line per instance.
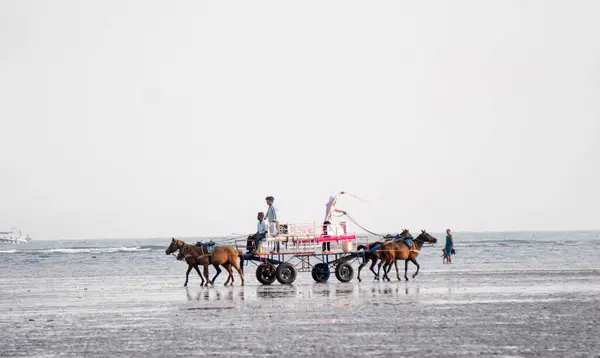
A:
(512, 242)
(80, 250)
(153, 247)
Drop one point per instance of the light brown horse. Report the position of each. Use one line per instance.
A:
(225, 256)
(396, 250)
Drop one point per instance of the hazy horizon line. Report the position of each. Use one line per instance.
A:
(360, 234)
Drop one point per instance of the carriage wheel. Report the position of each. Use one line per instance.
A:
(265, 273)
(344, 272)
(320, 272)
(285, 273)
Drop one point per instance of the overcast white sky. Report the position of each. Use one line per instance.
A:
(176, 118)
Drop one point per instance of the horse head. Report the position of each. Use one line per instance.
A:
(426, 237)
(174, 246)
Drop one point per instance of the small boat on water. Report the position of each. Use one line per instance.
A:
(14, 236)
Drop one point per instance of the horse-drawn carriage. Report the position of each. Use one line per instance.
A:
(303, 248)
(298, 248)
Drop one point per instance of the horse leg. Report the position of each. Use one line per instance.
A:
(406, 269)
(372, 268)
(208, 281)
(230, 272)
(414, 261)
(385, 271)
(216, 266)
(397, 273)
(378, 270)
(199, 274)
(240, 270)
(360, 268)
(187, 275)
(389, 269)
(226, 265)
(217, 274)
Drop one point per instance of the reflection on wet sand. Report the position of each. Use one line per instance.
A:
(303, 294)
(277, 291)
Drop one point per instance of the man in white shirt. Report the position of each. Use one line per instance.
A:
(272, 220)
(272, 215)
(261, 234)
(330, 207)
(329, 210)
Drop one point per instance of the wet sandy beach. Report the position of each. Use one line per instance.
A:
(449, 310)
(545, 316)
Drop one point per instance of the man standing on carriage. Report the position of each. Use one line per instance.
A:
(329, 210)
(272, 220)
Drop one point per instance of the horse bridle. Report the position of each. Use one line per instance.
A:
(424, 241)
(178, 248)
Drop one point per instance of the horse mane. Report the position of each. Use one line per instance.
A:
(419, 237)
(187, 248)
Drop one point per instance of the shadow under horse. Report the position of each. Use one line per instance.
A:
(396, 250)
(194, 256)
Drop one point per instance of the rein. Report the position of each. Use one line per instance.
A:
(360, 226)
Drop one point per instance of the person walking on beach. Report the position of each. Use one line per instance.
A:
(449, 248)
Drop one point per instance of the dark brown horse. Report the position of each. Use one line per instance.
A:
(194, 256)
(396, 250)
(370, 254)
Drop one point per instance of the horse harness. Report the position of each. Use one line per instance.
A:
(184, 250)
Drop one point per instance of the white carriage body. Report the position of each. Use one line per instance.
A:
(307, 238)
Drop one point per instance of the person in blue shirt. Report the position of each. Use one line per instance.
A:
(261, 233)
(271, 215)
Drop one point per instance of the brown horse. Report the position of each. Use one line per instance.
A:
(225, 256)
(396, 250)
(370, 253)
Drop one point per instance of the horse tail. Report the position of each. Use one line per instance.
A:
(241, 255)
(361, 247)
